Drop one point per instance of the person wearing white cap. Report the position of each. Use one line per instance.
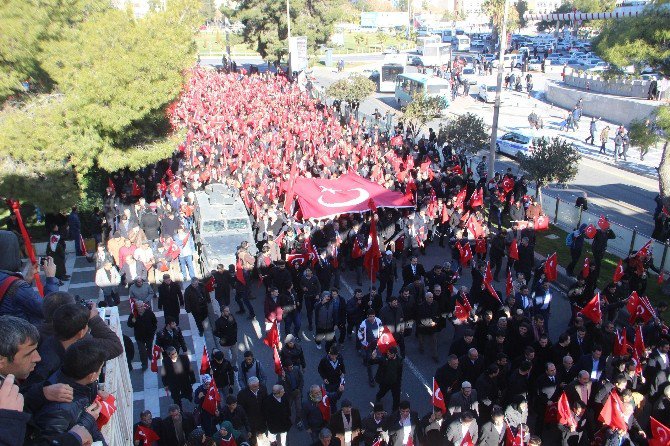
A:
(388, 273)
(464, 400)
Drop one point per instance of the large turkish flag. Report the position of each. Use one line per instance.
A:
(349, 193)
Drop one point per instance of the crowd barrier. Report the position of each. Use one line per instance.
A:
(119, 429)
(567, 216)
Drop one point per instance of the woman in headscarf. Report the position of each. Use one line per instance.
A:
(227, 436)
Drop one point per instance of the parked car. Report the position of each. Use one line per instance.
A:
(487, 93)
(469, 75)
(414, 61)
(514, 143)
(534, 65)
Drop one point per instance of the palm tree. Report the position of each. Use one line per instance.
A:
(495, 9)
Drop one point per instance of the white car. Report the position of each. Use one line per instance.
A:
(534, 65)
(468, 75)
(487, 93)
(513, 143)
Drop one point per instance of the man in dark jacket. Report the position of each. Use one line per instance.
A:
(389, 375)
(145, 326)
(236, 415)
(388, 273)
(374, 425)
(599, 246)
(195, 302)
(312, 417)
(223, 281)
(251, 399)
(176, 427)
(225, 328)
(398, 421)
(428, 316)
(325, 318)
(177, 375)
(393, 318)
(150, 224)
(526, 258)
(292, 353)
(310, 287)
(413, 271)
(170, 298)
(147, 421)
(448, 376)
(81, 369)
(277, 413)
(331, 369)
(222, 372)
(346, 424)
(171, 336)
(74, 229)
(488, 391)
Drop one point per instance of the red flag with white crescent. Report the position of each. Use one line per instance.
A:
(386, 340)
(586, 268)
(212, 399)
(618, 272)
(592, 310)
(660, 433)
(514, 250)
(204, 361)
(551, 268)
(155, 354)
(509, 287)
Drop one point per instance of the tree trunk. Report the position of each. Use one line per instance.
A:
(664, 176)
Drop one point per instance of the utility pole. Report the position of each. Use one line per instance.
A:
(288, 18)
(502, 39)
(409, 19)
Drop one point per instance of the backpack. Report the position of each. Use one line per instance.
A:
(9, 286)
(569, 239)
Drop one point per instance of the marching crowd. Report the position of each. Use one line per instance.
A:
(500, 381)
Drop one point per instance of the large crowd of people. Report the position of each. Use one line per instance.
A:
(500, 381)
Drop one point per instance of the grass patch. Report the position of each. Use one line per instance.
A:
(546, 246)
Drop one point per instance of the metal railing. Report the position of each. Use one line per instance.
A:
(119, 429)
(567, 216)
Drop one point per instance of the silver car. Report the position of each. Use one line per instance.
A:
(222, 223)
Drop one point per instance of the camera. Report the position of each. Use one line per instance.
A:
(81, 301)
(43, 261)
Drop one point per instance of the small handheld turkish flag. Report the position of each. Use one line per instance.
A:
(272, 337)
(155, 354)
(514, 250)
(603, 223)
(145, 435)
(586, 269)
(509, 288)
(204, 361)
(386, 340)
(551, 267)
(107, 409)
(590, 231)
(211, 402)
(660, 433)
(618, 272)
(592, 310)
(438, 397)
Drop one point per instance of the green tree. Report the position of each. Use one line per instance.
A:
(265, 26)
(355, 88)
(495, 9)
(550, 161)
(207, 9)
(580, 6)
(113, 78)
(420, 111)
(521, 8)
(639, 41)
(643, 135)
(467, 132)
(382, 39)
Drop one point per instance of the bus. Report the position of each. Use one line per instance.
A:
(408, 85)
(422, 41)
(461, 43)
(436, 54)
(387, 76)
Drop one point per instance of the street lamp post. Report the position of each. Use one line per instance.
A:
(496, 109)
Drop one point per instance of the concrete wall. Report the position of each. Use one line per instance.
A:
(618, 110)
(628, 88)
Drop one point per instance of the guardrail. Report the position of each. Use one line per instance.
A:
(119, 429)
(567, 216)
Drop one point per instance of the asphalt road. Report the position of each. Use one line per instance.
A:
(624, 196)
(418, 368)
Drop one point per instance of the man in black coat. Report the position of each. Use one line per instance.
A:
(195, 302)
(147, 421)
(170, 298)
(389, 375)
(448, 376)
(526, 258)
(352, 418)
(144, 326)
(176, 427)
(171, 336)
(223, 281)
(471, 366)
(277, 413)
(331, 369)
(413, 271)
(488, 391)
(150, 223)
(225, 328)
(251, 399)
(177, 375)
(388, 273)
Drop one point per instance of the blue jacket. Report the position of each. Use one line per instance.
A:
(23, 301)
(74, 225)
